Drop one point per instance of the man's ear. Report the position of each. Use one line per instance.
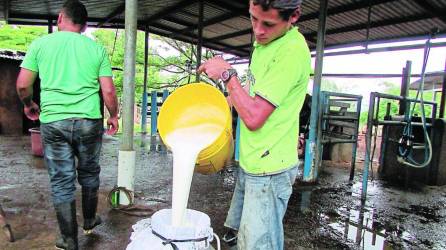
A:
(60, 17)
(296, 15)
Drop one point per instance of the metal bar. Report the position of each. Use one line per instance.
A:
(200, 37)
(335, 140)
(383, 49)
(339, 117)
(399, 123)
(404, 92)
(394, 97)
(153, 113)
(384, 137)
(311, 157)
(368, 141)
(129, 75)
(377, 75)
(6, 11)
(170, 10)
(334, 94)
(377, 24)
(112, 15)
(144, 94)
(443, 94)
(50, 26)
(355, 136)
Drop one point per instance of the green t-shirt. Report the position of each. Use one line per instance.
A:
(69, 66)
(279, 73)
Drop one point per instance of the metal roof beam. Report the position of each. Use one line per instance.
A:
(170, 10)
(6, 10)
(112, 15)
(382, 23)
(428, 7)
(175, 34)
(234, 9)
(212, 21)
(345, 8)
(231, 35)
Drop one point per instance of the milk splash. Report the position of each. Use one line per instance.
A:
(186, 144)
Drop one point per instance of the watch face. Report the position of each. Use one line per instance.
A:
(225, 75)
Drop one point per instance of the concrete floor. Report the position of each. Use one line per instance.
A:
(328, 215)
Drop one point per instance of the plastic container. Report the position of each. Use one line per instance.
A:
(195, 104)
(143, 236)
(36, 142)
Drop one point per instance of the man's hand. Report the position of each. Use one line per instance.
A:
(32, 111)
(112, 125)
(214, 67)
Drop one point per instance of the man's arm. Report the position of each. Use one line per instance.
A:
(24, 86)
(254, 111)
(111, 102)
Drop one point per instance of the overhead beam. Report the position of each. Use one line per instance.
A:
(212, 21)
(377, 24)
(174, 34)
(428, 7)
(112, 15)
(345, 8)
(6, 10)
(231, 35)
(170, 10)
(234, 9)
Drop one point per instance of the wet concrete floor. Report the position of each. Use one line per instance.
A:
(328, 215)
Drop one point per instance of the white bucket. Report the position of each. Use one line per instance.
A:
(196, 236)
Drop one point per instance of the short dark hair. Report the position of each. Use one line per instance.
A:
(76, 11)
(286, 8)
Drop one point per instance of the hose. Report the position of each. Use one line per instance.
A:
(218, 241)
(405, 148)
(131, 208)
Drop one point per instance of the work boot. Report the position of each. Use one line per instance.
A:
(89, 207)
(230, 237)
(66, 218)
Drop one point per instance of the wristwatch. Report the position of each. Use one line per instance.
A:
(227, 74)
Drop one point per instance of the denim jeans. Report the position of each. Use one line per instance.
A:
(65, 140)
(257, 209)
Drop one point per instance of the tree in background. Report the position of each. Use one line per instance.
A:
(19, 37)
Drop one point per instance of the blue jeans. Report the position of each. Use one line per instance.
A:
(62, 142)
(257, 209)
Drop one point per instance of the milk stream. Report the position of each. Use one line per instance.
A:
(186, 144)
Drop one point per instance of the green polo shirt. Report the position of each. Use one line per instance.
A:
(69, 66)
(279, 73)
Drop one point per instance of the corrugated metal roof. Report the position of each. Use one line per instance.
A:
(227, 26)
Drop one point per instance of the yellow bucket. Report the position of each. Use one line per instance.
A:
(195, 104)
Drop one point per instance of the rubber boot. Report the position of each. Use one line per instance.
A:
(66, 218)
(89, 207)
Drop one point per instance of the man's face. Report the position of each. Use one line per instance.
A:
(268, 25)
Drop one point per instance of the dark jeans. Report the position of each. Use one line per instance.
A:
(62, 142)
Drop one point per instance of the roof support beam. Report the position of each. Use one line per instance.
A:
(382, 23)
(169, 10)
(200, 38)
(334, 11)
(234, 9)
(231, 35)
(6, 10)
(212, 21)
(345, 8)
(112, 15)
(428, 7)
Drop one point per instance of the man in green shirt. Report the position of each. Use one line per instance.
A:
(73, 69)
(279, 73)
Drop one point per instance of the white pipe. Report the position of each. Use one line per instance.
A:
(126, 174)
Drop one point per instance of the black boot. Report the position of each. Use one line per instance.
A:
(66, 218)
(89, 207)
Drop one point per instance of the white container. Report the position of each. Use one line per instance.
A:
(198, 227)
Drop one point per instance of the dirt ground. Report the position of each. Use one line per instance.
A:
(326, 215)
